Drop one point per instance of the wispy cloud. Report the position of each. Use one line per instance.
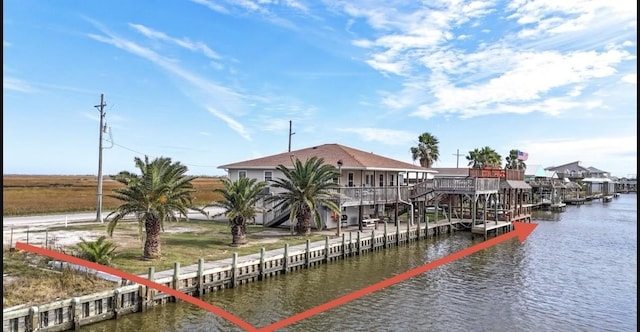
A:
(215, 96)
(382, 135)
(265, 9)
(212, 5)
(15, 84)
(233, 124)
(183, 42)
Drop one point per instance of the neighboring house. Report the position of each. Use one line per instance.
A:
(596, 173)
(595, 182)
(627, 184)
(572, 171)
(370, 184)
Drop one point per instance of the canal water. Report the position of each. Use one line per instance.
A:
(575, 272)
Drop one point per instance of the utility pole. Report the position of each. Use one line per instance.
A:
(457, 154)
(290, 134)
(102, 128)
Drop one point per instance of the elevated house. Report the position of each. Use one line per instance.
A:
(483, 199)
(572, 171)
(595, 183)
(599, 183)
(627, 185)
(374, 187)
(371, 186)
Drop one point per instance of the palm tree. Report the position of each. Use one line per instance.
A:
(161, 192)
(306, 187)
(427, 150)
(513, 162)
(239, 202)
(479, 158)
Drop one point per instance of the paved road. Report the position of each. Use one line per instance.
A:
(61, 219)
(35, 229)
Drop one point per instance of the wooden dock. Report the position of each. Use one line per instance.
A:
(492, 227)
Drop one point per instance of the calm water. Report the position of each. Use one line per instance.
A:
(575, 272)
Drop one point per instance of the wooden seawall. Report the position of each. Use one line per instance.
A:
(206, 277)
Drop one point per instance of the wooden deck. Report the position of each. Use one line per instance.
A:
(492, 226)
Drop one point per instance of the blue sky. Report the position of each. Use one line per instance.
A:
(209, 83)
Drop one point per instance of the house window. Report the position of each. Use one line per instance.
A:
(242, 174)
(268, 175)
(391, 178)
(350, 179)
(368, 180)
(381, 180)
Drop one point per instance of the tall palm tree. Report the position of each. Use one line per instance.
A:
(479, 158)
(306, 187)
(513, 162)
(427, 151)
(239, 202)
(161, 192)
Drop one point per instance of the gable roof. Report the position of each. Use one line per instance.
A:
(595, 170)
(574, 166)
(352, 159)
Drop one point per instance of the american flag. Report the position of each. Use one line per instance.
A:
(522, 155)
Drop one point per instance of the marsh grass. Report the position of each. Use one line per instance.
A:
(31, 282)
(41, 194)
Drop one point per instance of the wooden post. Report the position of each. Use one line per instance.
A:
(326, 249)
(262, 263)
(33, 321)
(350, 244)
(285, 259)
(117, 303)
(234, 268)
(386, 236)
(359, 243)
(344, 238)
(373, 240)
(142, 298)
(201, 277)
(418, 231)
(151, 292)
(409, 230)
(397, 232)
(307, 254)
(176, 278)
(76, 307)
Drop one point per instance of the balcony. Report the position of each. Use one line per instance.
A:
(466, 185)
(355, 196)
(497, 172)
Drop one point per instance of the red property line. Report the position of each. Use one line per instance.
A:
(522, 230)
(168, 290)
